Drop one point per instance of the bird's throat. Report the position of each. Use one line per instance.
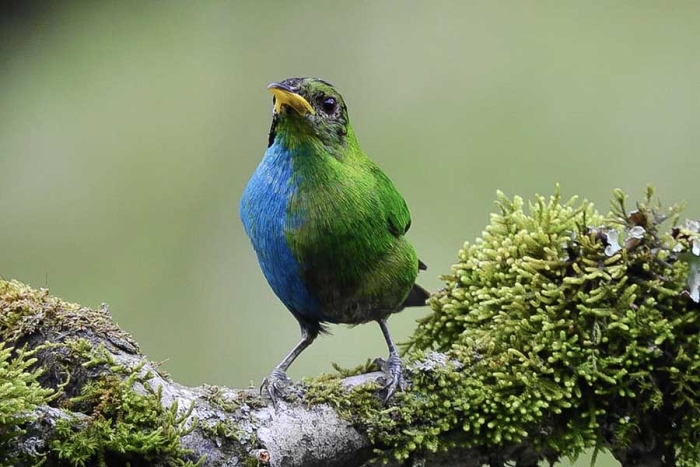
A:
(293, 136)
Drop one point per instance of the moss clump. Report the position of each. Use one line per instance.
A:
(112, 415)
(20, 394)
(24, 310)
(559, 327)
(121, 426)
(565, 318)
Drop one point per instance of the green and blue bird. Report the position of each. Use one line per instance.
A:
(328, 226)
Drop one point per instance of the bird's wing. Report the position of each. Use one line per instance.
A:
(394, 206)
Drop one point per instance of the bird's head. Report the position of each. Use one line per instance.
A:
(309, 108)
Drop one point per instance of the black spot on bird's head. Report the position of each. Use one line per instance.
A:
(329, 121)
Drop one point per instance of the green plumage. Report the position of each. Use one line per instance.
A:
(350, 241)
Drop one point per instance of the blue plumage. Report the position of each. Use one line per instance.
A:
(264, 210)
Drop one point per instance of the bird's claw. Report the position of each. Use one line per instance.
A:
(394, 380)
(274, 385)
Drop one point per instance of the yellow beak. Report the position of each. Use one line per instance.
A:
(285, 96)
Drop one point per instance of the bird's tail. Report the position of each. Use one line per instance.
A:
(416, 297)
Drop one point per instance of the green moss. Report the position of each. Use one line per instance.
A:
(546, 322)
(20, 394)
(25, 309)
(217, 397)
(121, 426)
(366, 367)
(113, 416)
(231, 403)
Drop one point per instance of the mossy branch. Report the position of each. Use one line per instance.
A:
(558, 330)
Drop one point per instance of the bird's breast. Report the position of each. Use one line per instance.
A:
(321, 233)
(265, 213)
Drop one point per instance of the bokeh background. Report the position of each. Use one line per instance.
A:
(128, 132)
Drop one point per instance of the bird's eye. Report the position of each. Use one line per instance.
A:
(329, 104)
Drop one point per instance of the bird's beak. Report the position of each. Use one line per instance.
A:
(285, 96)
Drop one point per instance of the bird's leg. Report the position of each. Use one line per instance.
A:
(394, 374)
(278, 380)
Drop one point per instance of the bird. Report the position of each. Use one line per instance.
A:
(328, 226)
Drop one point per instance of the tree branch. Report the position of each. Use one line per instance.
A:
(558, 331)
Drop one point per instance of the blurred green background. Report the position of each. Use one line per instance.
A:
(128, 132)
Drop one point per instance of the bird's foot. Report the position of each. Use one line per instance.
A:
(393, 376)
(274, 385)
